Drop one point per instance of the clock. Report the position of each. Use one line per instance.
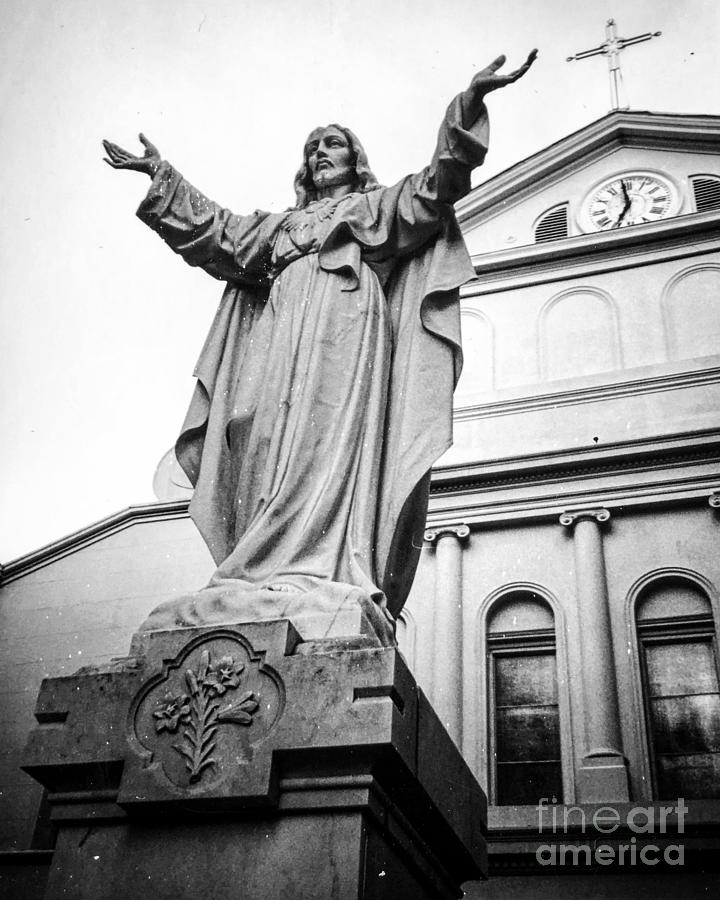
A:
(634, 198)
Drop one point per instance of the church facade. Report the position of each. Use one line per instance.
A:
(565, 614)
(573, 535)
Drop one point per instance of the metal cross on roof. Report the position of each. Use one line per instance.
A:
(611, 48)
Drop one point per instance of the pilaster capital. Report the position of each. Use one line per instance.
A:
(570, 517)
(714, 499)
(460, 531)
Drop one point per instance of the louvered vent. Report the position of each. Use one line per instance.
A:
(707, 193)
(552, 225)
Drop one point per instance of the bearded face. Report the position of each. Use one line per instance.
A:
(330, 158)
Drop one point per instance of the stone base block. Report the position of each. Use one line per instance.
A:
(330, 610)
(237, 761)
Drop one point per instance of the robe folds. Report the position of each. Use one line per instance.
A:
(324, 388)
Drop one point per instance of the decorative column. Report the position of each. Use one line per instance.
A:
(447, 639)
(603, 772)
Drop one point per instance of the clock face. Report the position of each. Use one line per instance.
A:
(632, 199)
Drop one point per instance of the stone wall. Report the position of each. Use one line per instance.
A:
(74, 610)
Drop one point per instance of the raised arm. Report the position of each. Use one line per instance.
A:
(405, 216)
(488, 80)
(226, 246)
(463, 138)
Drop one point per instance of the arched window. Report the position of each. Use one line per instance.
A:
(552, 225)
(679, 667)
(524, 714)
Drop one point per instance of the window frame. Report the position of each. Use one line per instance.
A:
(664, 631)
(536, 642)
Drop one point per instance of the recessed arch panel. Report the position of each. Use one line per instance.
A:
(478, 357)
(691, 312)
(578, 334)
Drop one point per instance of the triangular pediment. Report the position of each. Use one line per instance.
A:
(505, 208)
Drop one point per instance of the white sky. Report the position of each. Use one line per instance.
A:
(101, 323)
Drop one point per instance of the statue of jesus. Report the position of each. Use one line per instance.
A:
(324, 389)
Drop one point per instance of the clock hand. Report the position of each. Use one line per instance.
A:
(626, 206)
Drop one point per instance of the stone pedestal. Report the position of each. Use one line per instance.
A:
(238, 761)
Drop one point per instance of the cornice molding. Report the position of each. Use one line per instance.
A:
(482, 479)
(147, 512)
(654, 453)
(630, 387)
(585, 255)
(654, 131)
(534, 502)
(682, 470)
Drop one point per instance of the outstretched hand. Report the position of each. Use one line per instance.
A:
(119, 158)
(488, 80)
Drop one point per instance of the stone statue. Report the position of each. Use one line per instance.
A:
(324, 390)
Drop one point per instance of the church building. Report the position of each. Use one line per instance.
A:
(572, 547)
(564, 617)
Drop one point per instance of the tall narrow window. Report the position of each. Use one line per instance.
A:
(679, 665)
(524, 713)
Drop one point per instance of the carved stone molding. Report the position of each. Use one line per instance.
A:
(714, 500)
(461, 532)
(570, 517)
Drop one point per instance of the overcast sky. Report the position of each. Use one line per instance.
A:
(101, 323)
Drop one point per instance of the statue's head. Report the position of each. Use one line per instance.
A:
(332, 156)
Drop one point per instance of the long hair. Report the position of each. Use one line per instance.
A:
(365, 180)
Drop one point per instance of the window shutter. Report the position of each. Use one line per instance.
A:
(707, 193)
(553, 225)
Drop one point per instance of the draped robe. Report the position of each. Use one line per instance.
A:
(324, 389)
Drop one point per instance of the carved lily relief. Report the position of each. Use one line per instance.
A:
(200, 712)
(171, 711)
(199, 720)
